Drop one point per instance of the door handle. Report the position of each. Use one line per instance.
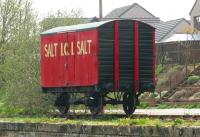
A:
(66, 65)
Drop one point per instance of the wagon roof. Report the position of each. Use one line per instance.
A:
(79, 27)
(73, 28)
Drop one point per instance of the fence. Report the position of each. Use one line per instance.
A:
(185, 53)
(178, 52)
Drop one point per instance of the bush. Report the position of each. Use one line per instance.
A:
(159, 69)
(176, 68)
(143, 105)
(178, 121)
(153, 95)
(20, 67)
(192, 79)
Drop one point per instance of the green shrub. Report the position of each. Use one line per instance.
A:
(20, 58)
(159, 69)
(178, 121)
(192, 79)
(176, 68)
(143, 105)
(162, 106)
(153, 95)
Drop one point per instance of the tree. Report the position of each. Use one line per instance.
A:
(20, 55)
(20, 66)
(62, 18)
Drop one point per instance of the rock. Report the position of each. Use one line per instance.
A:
(182, 94)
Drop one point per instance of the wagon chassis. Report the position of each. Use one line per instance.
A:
(96, 101)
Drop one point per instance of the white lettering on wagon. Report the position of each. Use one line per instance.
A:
(64, 49)
(50, 50)
(82, 47)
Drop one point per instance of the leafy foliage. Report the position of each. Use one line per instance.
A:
(176, 68)
(192, 79)
(178, 121)
(143, 105)
(159, 69)
(20, 58)
(62, 18)
(20, 68)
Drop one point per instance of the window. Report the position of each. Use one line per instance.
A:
(198, 19)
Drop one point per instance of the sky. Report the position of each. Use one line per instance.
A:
(164, 9)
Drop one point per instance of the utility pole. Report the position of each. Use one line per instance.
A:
(100, 10)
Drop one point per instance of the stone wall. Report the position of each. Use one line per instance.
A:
(65, 130)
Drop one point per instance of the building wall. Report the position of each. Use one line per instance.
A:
(194, 14)
(196, 9)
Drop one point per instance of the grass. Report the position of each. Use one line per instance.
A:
(186, 106)
(113, 121)
(1, 101)
(144, 105)
(13, 115)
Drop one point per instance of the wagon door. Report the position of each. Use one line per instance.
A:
(86, 58)
(70, 60)
(53, 60)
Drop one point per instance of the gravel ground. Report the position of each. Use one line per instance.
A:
(164, 112)
(160, 112)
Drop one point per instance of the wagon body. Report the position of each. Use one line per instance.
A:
(70, 59)
(117, 55)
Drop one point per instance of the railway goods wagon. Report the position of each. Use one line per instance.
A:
(108, 62)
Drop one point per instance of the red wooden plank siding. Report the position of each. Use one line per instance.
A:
(116, 54)
(136, 57)
(70, 62)
(154, 58)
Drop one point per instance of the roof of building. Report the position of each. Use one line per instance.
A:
(122, 13)
(118, 12)
(150, 21)
(193, 6)
(164, 28)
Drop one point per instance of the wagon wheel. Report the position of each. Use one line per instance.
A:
(129, 103)
(96, 103)
(62, 103)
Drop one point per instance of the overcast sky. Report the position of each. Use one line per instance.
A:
(165, 9)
